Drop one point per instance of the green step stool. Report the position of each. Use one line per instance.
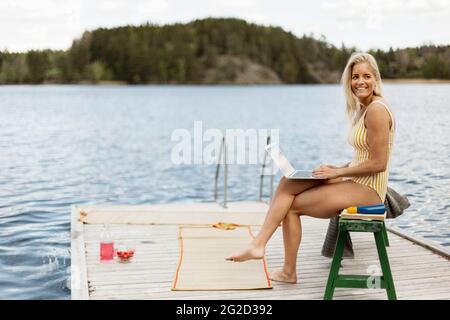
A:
(335, 280)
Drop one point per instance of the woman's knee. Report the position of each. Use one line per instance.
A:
(290, 186)
(295, 187)
(284, 185)
(283, 181)
(292, 214)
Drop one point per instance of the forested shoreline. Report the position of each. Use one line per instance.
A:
(208, 51)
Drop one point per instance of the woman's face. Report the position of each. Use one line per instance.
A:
(363, 81)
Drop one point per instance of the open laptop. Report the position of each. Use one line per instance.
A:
(285, 166)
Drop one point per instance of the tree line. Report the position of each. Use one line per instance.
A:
(183, 53)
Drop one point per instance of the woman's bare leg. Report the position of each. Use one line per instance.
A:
(338, 196)
(292, 235)
(279, 207)
(310, 202)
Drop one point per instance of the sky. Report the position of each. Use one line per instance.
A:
(365, 24)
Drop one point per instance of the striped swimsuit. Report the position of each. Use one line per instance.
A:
(358, 140)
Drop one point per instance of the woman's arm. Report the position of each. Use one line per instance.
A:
(335, 167)
(377, 123)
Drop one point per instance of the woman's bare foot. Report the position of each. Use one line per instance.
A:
(251, 252)
(281, 276)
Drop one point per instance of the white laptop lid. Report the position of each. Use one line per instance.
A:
(280, 160)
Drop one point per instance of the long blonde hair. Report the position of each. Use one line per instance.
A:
(353, 104)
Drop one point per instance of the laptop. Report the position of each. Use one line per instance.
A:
(285, 166)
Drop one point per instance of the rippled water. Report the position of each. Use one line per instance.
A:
(64, 145)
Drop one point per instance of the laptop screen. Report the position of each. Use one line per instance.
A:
(280, 160)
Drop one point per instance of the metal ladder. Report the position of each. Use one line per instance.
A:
(223, 153)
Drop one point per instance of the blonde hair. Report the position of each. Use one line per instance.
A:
(353, 104)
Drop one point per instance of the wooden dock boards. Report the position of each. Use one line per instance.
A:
(418, 272)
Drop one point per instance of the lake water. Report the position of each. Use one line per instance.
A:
(65, 145)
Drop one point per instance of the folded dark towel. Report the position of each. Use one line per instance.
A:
(395, 205)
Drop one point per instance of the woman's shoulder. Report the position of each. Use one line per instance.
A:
(380, 101)
(374, 108)
(381, 105)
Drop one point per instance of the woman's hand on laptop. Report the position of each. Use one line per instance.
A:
(327, 171)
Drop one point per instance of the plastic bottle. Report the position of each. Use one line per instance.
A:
(106, 245)
(376, 209)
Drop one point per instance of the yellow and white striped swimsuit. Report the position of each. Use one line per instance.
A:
(358, 140)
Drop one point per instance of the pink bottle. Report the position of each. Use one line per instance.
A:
(106, 245)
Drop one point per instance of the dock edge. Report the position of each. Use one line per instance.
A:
(78, 272)
(436, 248)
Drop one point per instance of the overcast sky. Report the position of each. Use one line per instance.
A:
(366, 24)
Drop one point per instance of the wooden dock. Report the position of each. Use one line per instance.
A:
(420, 270)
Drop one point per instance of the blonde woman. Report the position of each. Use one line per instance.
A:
(361, 182)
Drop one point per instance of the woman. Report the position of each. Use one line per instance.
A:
(361, 182)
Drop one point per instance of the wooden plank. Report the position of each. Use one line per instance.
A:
(234, 206)
(319, 285)
(403, 292)
(400, 280)
(310, 292)
(163, 292)
(301, 268)
(151, 276)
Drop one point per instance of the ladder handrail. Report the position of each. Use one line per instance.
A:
(224, 147)
(261, 178)
(223, 153)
